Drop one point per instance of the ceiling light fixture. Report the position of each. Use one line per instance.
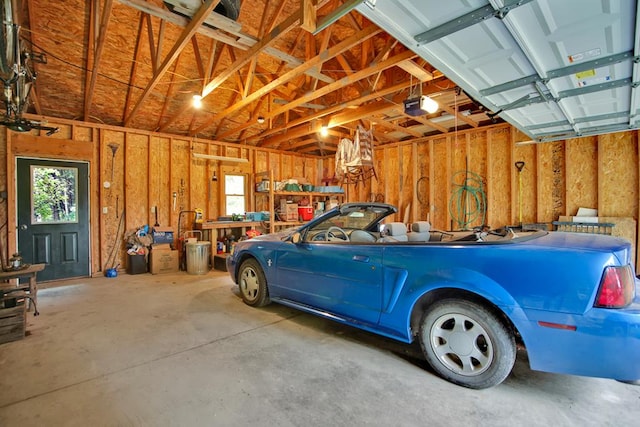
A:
(324, 131)
(428, 104)
(197, 101)
(260, 119)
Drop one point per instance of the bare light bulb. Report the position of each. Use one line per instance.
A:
(429, 105)
(197, 101)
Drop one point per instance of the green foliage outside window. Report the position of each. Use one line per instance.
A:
(54, 194)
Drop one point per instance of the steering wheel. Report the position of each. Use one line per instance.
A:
(331, 232)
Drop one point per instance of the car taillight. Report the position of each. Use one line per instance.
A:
(617, 287)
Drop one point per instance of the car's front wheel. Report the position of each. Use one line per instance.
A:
(467, 344)
(253, 284)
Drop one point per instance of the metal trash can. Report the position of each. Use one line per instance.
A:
(198, 257)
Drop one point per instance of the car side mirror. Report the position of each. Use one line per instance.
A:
(296, 237)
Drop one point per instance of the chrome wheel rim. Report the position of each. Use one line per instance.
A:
(249, 284)
(461, 344)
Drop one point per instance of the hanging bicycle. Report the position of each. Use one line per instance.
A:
(17, 75)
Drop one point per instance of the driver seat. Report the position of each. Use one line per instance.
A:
(361, 236)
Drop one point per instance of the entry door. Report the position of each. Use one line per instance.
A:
(53, 216)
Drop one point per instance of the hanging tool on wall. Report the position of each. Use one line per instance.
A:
(155, 210)
(520, 166)
(114, 148)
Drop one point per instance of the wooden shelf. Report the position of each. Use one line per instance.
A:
(298, 193)
(271, 194)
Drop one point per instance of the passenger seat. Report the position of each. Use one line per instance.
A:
(420, 231)
(395, 232)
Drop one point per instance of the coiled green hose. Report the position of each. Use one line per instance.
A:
(468, 200)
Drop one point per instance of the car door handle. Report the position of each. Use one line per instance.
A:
(361, 258)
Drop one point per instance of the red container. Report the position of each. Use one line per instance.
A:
(305, 212)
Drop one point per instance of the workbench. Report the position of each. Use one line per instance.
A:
(212, 227)
(29, 272)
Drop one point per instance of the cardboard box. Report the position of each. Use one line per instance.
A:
(288, 211)
(163, 261)
(162, 235)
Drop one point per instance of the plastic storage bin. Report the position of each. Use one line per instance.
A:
(198, 257)
(305, 212)
(136, 264)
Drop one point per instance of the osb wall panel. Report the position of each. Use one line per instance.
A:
(523, 184)
(274, 165)
(112, 208)
(213, 187)
(378, 186)
(441, 184)
(199, 179)
(477, 155)
(499, 209)
(82, 133)
(618, 175)
(179, 182)
(393, 180)
(582, 178)
(422, 199)
(551, 181)
(407, 183)
(159, 192)
(136, 180)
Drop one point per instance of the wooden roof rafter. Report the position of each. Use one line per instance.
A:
(296, 72)
(134, 67)
(169, 92)
(212, 64)
(375, 68)
(185, 37)
(347, 104)
(278, 31)
(96, 48)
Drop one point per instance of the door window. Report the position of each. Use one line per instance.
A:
(53, 195)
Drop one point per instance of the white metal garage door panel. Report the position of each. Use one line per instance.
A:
(485, 55)
(536, 59)
(557, 33)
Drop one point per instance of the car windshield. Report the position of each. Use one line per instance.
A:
(362, 217)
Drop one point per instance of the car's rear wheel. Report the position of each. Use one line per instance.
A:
(467, 344)
(253, 284)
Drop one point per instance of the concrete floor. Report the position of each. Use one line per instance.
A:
(183, 350)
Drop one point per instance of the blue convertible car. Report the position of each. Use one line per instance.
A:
(468, 297)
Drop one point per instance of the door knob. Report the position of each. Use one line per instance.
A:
(23, 227)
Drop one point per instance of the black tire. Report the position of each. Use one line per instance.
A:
(253, 284)
(467, 344)
(228, 8)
